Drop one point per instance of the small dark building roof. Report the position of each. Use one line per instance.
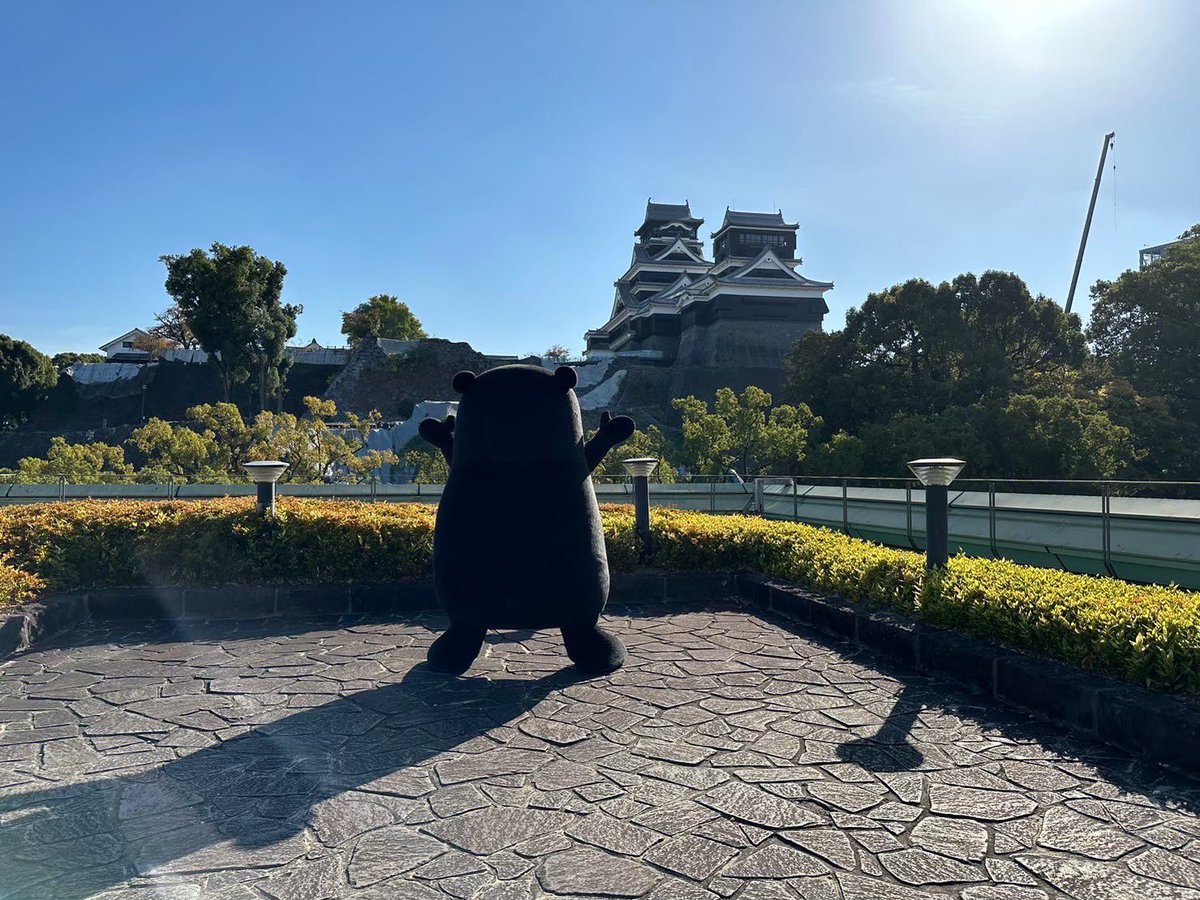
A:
(753, 220)
(658, 214)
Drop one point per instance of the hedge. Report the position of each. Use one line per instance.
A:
(1149, 635)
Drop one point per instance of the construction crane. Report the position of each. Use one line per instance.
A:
(1087, 224)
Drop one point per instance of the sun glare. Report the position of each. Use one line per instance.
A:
(1026, 30)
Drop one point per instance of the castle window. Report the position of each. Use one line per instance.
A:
(763, 240)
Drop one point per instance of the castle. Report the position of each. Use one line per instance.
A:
(680, 325)
(744, 308)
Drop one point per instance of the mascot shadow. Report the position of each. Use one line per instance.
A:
(248, 793)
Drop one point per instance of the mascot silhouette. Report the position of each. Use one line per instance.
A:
(518, 542)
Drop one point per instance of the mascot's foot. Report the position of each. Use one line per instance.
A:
(594, 650)
(455, 650)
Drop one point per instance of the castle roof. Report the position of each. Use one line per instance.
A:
(753, 220)
(659, 214)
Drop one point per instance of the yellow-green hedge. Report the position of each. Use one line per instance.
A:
(1150, 635)
(16, 585)
(104, 543)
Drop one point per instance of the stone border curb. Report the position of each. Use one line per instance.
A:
(1163, 727)
(57, 613)
(1160, 726)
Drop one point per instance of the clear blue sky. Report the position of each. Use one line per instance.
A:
(488, 162)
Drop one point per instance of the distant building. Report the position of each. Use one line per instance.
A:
(1148, 255)
(745, 307)
(121, 349)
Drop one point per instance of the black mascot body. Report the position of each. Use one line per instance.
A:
(518, 541)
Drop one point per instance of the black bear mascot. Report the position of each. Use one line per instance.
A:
(518, 542)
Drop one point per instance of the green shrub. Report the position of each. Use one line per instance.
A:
(16, 585)
(106, 543)
(1145, 633)
(1150, 635)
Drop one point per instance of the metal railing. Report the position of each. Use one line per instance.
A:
(1138, 530)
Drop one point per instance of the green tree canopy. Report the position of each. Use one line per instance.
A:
(744, 433)
(26, 378)
(79, 463)
(383, 316)
(651, 443)
(64, 361)
(314, 450)
(916, 348)
(1067, 435)
(1146, 326)
(979, 368)
(1008, 335)
(1026, 436)
(179, 453)
(230, 299)
(426, 463)
(216, 440)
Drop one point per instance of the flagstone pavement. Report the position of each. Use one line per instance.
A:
(731, 757)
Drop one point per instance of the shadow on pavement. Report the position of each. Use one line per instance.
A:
(889, 749)
(253, 791)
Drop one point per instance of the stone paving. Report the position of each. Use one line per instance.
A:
(730, 758)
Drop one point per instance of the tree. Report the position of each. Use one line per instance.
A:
(1169, 446)
(172, 325)
(1146, 327)
(64, 361)
(651, 443)
(314, 451)
(230, 299)
(843, 454)
(744, 433)
(383, 316)
(895, 353)
(178, 453)
(427, 464)
(26, 378)
(965, 432)
(1008, 336)
(223, 428)
(557, 354)
(1064, 435)
(153, 344)
(216, 440)
(916, 348)
(84, 463)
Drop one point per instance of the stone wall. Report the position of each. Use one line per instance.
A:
(394, 376)
(734, 354)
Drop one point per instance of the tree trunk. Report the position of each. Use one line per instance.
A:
(226, 381)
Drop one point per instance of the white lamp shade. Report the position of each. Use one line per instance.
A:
(265, 470)
(640, 467)
(940, 471)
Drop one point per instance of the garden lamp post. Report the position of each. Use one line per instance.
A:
(265, 473)
(936, 475)
(639, 470)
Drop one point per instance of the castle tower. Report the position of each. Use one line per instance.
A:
(728, 322)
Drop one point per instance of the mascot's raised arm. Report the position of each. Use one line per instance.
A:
(518, 542)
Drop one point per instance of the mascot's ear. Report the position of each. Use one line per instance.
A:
(463, 381)
(566, 377)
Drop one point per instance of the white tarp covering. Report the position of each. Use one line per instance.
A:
(103, 373)
(322, 356)
(194, 355)
(603, 394)
(398, 436)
